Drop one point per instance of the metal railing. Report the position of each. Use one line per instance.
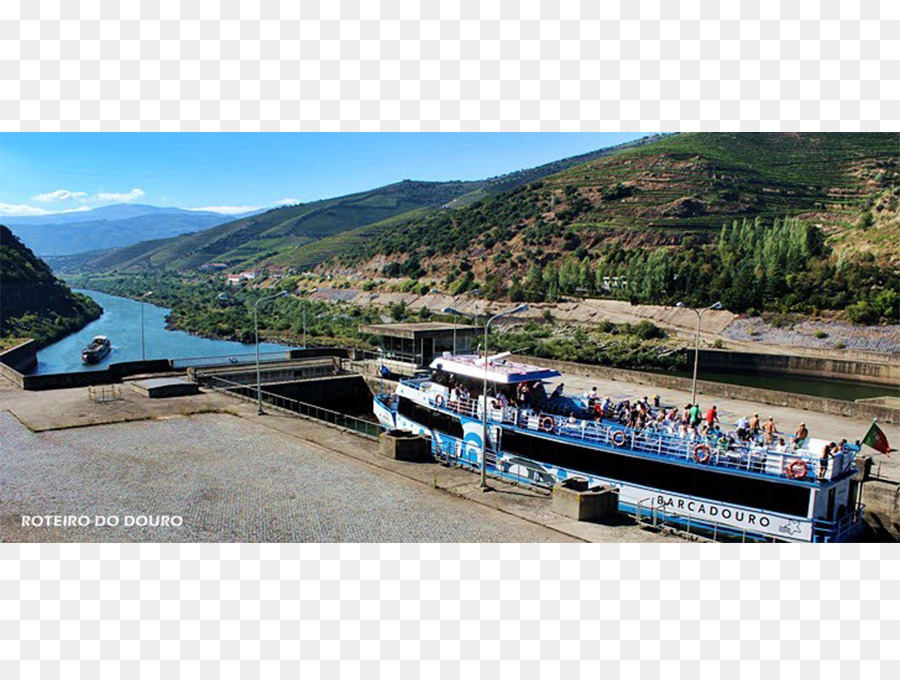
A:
(275, 371)
(231, 359)
(102, 394)
(700, 450)
(336, 419)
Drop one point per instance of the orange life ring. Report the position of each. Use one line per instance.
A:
(702, 453)
(618, 438)
(796, 469)
(439, 401)
(547, 424)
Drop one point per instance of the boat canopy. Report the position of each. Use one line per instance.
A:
(500, 370)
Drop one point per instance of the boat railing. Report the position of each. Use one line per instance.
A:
(696, 450)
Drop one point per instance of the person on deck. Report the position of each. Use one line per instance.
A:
(827, 454)
(695, 414)
(801, 436)
(712, 417)
(754, 425)
(743, 428)
(769, 429)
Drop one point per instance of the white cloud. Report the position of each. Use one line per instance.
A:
(227, 209)
(60, 195)
(288, 201)
(123, 198)
(23, 210)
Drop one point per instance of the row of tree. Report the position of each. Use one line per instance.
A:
(785, 266)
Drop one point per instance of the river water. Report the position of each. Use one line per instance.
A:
(121, 322)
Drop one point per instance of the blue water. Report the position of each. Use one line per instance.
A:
(121, 322)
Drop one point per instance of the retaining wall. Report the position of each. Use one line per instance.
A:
(850, 409)
(18, 360)
(883, 373)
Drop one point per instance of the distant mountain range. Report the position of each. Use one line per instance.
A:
(306, 234)
(112, 226)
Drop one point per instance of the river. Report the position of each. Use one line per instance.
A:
(121, 322)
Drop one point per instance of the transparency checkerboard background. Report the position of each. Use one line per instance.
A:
(410, 611)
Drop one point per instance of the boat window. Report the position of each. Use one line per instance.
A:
(687, 480)
(435, 420)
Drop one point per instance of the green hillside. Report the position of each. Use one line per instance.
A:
(812, 225)
(690, 183)
(34, 303)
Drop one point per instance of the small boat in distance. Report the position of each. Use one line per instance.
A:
(94, 352)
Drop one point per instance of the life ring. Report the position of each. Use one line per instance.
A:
(702, 453)
(439, 401)
(547, 424)
(618, 438)
(796, 469)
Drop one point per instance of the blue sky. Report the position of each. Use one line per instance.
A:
(54, 172)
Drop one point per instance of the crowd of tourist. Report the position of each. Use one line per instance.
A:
(689, 423)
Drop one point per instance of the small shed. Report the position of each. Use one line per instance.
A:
(420, 342)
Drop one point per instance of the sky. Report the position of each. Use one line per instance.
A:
(42, 173)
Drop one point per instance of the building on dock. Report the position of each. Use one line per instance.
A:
(419, 343)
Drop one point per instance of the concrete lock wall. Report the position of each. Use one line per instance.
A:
(21, 358)
(882, 373)
(111, 374)
(802, 401)
(348, 394)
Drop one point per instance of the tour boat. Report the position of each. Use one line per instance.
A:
(734, 492)
(96, 350)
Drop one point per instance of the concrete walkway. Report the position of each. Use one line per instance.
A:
(50, 411)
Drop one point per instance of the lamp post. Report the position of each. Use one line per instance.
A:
(457, 313)
(699, 312)
(259, 408)
(305, 304)
(484, 400)
(145, 295)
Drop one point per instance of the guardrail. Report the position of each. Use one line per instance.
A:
(340, 421)
(233, 359)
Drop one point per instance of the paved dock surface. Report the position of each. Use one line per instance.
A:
(230, 480)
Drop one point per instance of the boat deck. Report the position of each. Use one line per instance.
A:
(801, 466)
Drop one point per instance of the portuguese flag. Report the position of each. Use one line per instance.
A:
(877, 440)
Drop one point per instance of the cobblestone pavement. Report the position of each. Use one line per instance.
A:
(230, 481)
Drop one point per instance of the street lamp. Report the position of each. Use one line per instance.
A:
(305, 303)
(147, 294)
(484, 400)
(699, 312)
(457, 313)
(259, 408)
